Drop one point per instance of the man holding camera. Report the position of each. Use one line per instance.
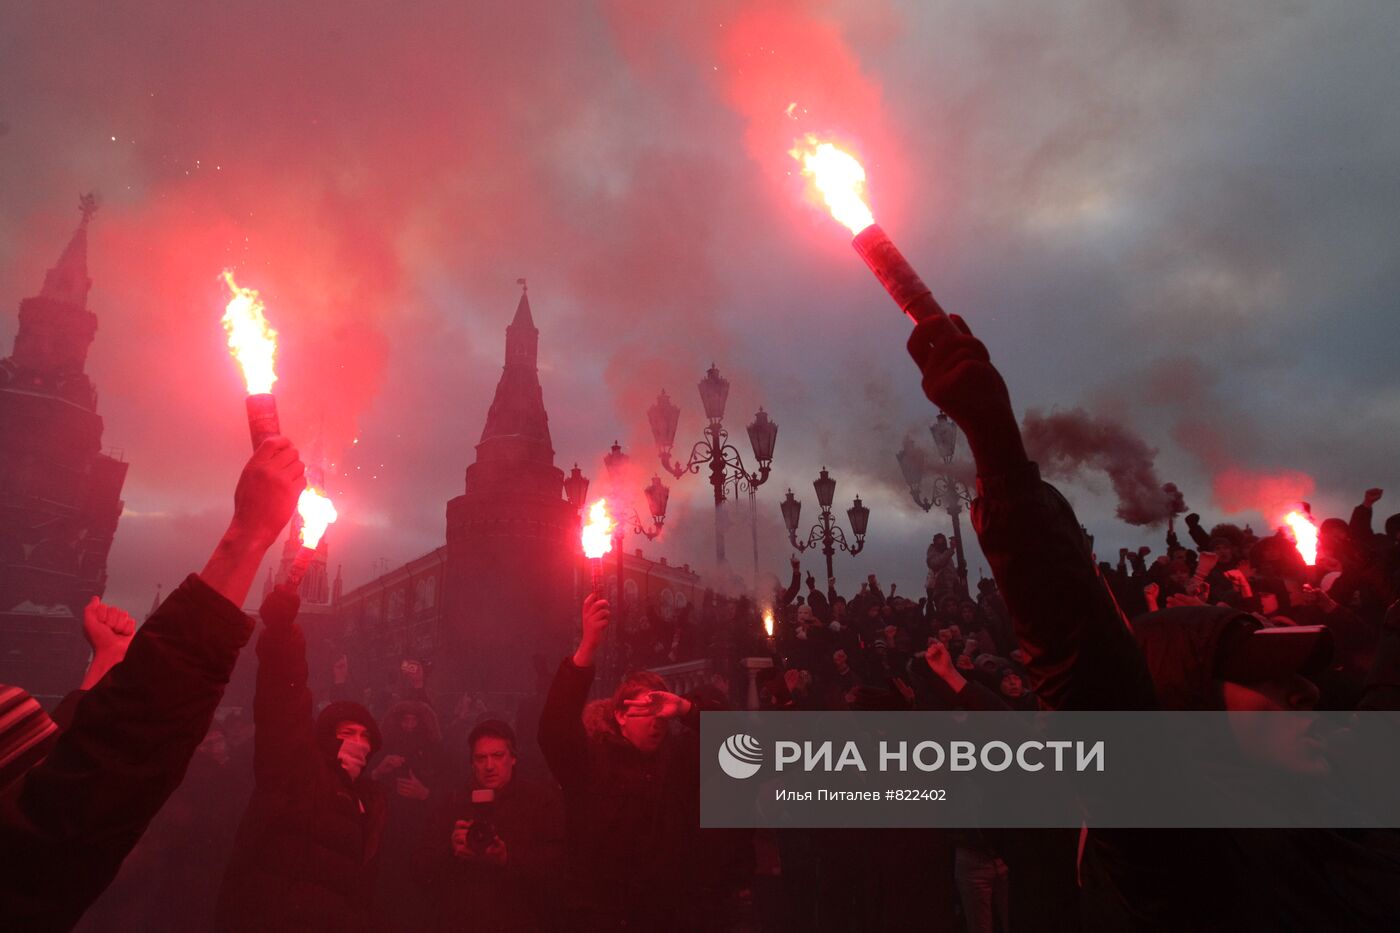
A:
(493, 849)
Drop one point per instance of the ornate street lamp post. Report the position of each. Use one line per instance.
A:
(826, 532)
(576, 489)
(948, 493)
(726, 465)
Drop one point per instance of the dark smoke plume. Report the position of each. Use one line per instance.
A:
(1065, 443)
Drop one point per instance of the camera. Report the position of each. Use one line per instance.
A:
(482, 830)
(480, 835)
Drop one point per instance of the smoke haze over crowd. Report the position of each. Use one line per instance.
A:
(1175, 219)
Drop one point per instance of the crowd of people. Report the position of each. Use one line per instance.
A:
(132, 808)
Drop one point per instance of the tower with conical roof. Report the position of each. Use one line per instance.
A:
(510, 548)
(60, 495)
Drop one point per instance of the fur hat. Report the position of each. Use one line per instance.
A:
(345, 711)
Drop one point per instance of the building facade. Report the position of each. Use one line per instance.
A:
(505, 589)
(60, 494)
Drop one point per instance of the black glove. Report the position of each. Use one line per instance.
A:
(281, 605)
(1193, 520)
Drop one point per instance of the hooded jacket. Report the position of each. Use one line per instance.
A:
(306, 852)
(1084, 655)
(632, 819)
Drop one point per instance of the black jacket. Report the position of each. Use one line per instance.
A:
(518, 896)
(305, 855)
(1083, 655)
(66, 826)
(632, 819)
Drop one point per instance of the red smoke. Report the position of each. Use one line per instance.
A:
(1237, 489)
(1234, 486)
(1065, 443)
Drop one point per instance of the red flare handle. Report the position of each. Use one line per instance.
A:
(895, 273)
(300, 564)
(262, 418)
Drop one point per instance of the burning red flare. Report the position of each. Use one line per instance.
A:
(251, 340)
(1304, 535)
(597, 533)
(317, 514)
(768, 622)
(839, 179)
(597, 540)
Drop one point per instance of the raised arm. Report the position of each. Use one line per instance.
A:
(283, 717)
(786, 597)
(67, 825)
(1082, 653)
(562, 736)
(1360, 524)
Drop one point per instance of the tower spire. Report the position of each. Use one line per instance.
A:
(67, 282)
(523, 318)
(517, 427)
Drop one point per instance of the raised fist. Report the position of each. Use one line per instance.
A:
(939, 660)
(1372, 497)
(281, 605)
(958, 376)
(596, 616)
(107, 629)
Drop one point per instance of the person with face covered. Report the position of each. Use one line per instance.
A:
(493, 853)
(1083, 655)
(631, 796)
(306, 854)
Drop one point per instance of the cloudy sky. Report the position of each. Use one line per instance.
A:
(1172, 222)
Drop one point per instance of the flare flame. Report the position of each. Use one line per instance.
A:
(1304, 535)
(317, 513)
(597, 533)
(839, 178)
(251, 340)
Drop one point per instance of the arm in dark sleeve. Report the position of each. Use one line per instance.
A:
(1360, 526)
(1082, 653)
(1199, 536)
(562, 737)
(67, 708)
(283, 743)
(67, 826)
(786, 597)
